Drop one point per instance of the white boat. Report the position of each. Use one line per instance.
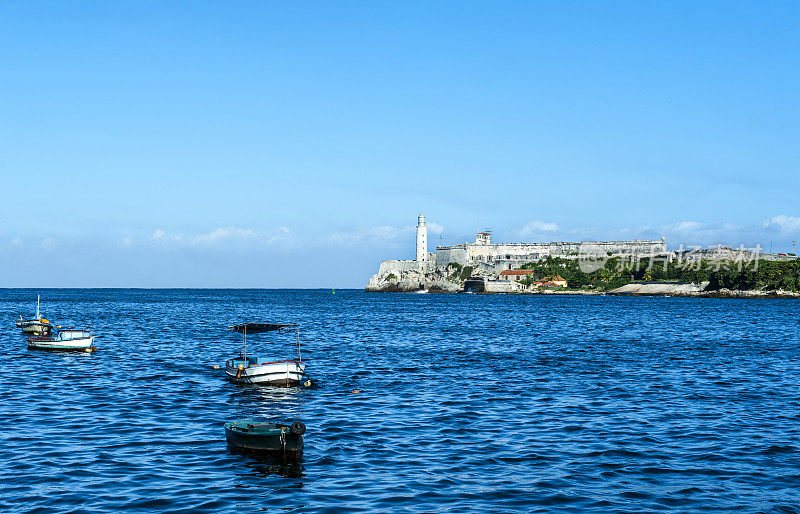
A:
(37, 326)
(260, 370)
(64, 340)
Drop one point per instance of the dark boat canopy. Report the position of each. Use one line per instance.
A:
(257, 328)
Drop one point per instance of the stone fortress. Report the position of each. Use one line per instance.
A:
(488, 260)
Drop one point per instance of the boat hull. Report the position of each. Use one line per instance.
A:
(64, 345)
(283, 373)
(273, 441)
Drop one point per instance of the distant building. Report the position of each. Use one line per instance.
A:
(515, 274)
(554, 281)
(483, 238)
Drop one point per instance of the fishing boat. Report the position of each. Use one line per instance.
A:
(68, 339)
(279, 439)
(37, 326)
(251, 369)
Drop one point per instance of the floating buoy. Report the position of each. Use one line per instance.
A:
(239, 373)
(356, 391)
(88, 350)
(215, 366)
(307, 383)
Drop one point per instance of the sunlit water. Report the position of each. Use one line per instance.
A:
(467, 403)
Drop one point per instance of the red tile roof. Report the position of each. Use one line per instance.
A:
(553, 278)
(550, 281)
(516, 272)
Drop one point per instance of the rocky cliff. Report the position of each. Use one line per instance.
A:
(415, 280)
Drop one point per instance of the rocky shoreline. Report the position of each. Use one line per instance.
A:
(721, 293)
(458, 279)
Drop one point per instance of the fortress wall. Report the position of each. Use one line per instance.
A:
(537, 251)
(397, 267)
(430, 264)
(503, 254)
(447, 254)
(636, 247)
(532, 251)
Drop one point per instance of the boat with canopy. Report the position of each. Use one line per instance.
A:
(64, 339)
(37, 326)
(254, 369)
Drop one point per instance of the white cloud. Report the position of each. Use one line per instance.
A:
(435, 228)
(683, 226)
(783, 223)
(127, 241)
(49, 243)
(383, 233)
(225, 234)
(16, 242)
(164, 238)
(537, 227)
(281, 235)
(222, 236)
(380, 233)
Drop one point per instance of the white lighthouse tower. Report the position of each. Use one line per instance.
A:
(422, 242)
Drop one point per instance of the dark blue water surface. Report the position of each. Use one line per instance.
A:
(467, 403)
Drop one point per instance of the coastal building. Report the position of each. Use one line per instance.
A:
(515, 274)
(554, 281)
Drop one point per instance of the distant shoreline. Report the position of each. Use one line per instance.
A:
(699, 294)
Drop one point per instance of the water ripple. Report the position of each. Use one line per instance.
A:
(467, 403)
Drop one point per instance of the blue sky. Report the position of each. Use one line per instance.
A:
(234, 144)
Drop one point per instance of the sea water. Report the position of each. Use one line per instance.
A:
(464, 403)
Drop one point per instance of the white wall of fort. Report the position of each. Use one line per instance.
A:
(447, 254)
(466, 254)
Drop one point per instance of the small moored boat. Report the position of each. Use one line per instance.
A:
(67, 339)
(279, 439)
(37, 326)
(260, 370)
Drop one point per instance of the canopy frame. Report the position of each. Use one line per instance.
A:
(260, 328)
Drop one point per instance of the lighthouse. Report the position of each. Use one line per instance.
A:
(422, 242)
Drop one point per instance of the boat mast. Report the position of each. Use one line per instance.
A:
(244, 355)
(297, 337)
(37, 306)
